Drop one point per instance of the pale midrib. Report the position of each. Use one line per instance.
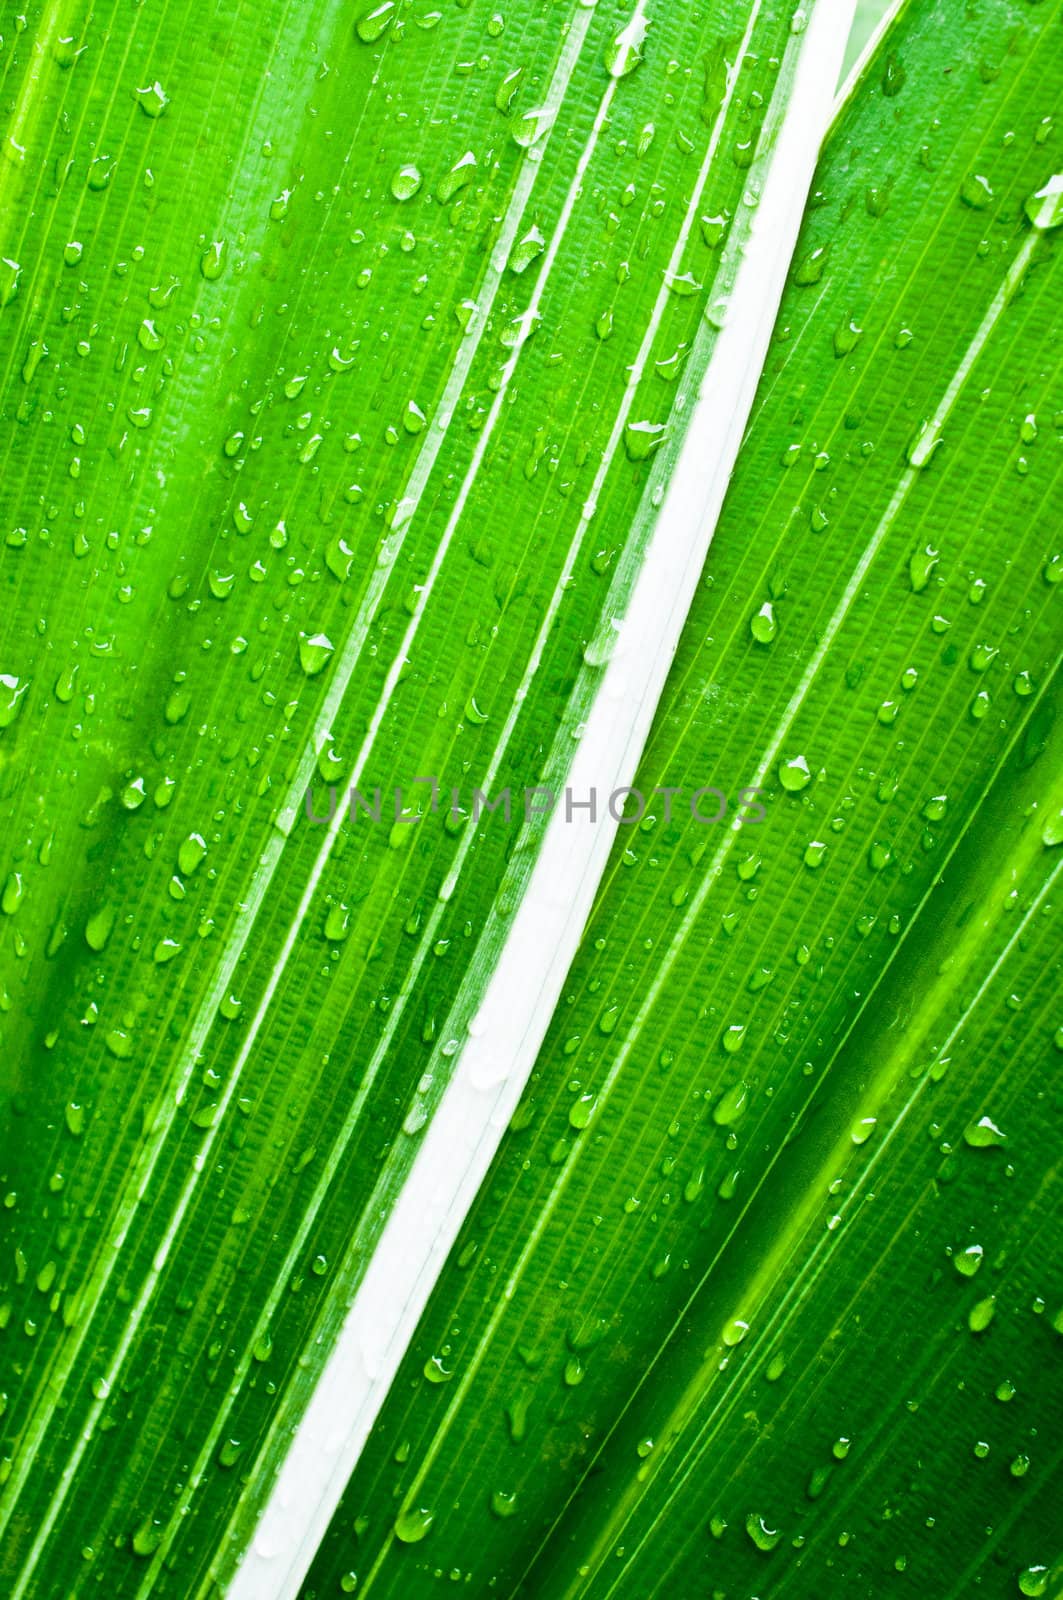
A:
(348, 1424)
(907, 481)
(268, 862)
(558, 759)
(427, 940)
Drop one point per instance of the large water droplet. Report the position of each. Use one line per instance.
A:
(413, 1524)
(314, 652)
(1045, 208)
(405, 181)
(372, 23)
(624, 51)
(794, 774)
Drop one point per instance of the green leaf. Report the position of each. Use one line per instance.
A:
(347, 360)
(704, 1328)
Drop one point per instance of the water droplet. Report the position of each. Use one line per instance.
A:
(794, 774)
(527, 250)
(713, 230)
(893, 77)
(412, 1524)
(981, 1315)
(147, 1538)
(983, 1134)
(975, 191)
(580, 1114)
(682, 284)
(624, 51)
(99, 927)
(405, 182)
(148, 335)
(763, 1537)
(922, 445)
(10, 273)
(533, 125)
(1052, 831)
(921, 564)
(460, 175)
(506, 92)
(642, 439)
(315, 652)
(731, 1104)
(503, 1502)
(152, 100)
(13, 891)
(1045, 208)
(762, 624)
(212, 261)
(413, 418)
(847, 336)
(968, 1260)
(374, 22)
(12, 690)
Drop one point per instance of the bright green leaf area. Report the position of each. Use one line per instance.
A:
(783, 1315)
(343, 356)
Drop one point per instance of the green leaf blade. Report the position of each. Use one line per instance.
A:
(232, 1020)
(584, 1247)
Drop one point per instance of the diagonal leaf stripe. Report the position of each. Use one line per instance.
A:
(974, 974)
(506, 1026)
(748, 1026)
(369, 537)
(139, 1181)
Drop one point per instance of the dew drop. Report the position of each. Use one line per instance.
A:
(405, 181)
(412, 1524)
(372, 24)
(794, 774)
(624, 51)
